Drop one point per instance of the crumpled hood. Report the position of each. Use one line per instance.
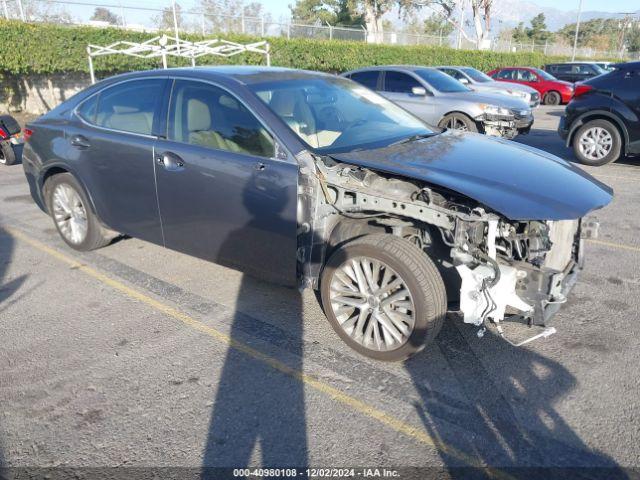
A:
(520, 182)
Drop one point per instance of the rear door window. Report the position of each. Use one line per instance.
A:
(368, 79)
(128, 107)
(399, 82)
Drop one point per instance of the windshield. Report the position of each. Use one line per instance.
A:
(477, 75)
(440, 81)
(334, 115)
(545, 75)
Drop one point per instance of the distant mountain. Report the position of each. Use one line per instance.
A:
(508, 13)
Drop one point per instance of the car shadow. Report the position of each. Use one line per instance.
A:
(259, 412)
(506, 424)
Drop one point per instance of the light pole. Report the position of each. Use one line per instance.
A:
(575, 39)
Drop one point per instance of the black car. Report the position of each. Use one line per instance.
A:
(316, 181)
(602, 121)
(574, 71)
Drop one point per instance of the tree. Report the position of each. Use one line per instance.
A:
(314, 11)
(437, 25)
(358, 12)
(347, 15)
(101, 14)
(536, 33)
(605, 34)
(225, 15)
(481, 10)
(165, 21)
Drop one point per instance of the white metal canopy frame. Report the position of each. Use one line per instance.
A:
(164, 46)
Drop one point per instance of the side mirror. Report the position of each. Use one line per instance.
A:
(419, 91)
(464, 81)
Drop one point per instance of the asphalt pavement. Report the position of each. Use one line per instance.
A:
(137, 356)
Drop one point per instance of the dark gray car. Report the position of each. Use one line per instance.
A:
(314, 181)
(440, 100)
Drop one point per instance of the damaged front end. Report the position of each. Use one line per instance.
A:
(494, 268)
(506, 123)
(518, 269)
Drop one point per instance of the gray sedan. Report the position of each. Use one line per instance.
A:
(440, 100)
(481, 82)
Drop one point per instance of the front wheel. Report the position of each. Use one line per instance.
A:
(7, 155)
(597, 143)
(383, 296)
(458, 121)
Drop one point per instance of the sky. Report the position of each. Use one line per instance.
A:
(587, 5)
(281, 7)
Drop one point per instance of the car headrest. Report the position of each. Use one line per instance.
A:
(198, 116)
(283, 103)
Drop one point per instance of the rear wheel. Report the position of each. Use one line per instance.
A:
(597, 143)
(552, 98)
(383, 296)
(72, 215)
(7, 155)
(458, 121)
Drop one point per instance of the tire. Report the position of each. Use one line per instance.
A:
(7, 155)
(465, 123)
(64, 187)
(552, 98)
(406, 264)
(593, 134)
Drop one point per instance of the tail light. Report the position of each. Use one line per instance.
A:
(27, 132)
(581, 90)
(3, 135)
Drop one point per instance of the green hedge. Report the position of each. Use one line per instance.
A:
(44, 49)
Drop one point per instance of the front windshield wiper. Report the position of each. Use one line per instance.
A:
(413, 138)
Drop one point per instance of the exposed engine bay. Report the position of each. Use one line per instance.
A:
(506, 126)
(493, 268)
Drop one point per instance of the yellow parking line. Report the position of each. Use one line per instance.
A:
(395, 424)
(621, 246)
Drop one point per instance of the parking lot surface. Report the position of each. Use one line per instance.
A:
(134, 355)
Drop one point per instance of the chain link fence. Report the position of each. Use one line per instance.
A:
(172, 17)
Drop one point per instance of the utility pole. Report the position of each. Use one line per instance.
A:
(575, 39)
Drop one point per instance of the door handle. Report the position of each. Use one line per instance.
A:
(80, 142)
(259, 166)
(170, 161)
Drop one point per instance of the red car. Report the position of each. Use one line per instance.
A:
(552, 91)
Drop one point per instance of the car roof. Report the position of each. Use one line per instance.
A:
(242, 74)
(627, 65)
(455, 66)
(410, 68)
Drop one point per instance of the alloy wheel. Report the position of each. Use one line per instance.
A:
(595, 143)
(455, 123)
(70, 214)
(372, 304)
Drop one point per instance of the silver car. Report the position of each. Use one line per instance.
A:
(481, 82)
(440, 100)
